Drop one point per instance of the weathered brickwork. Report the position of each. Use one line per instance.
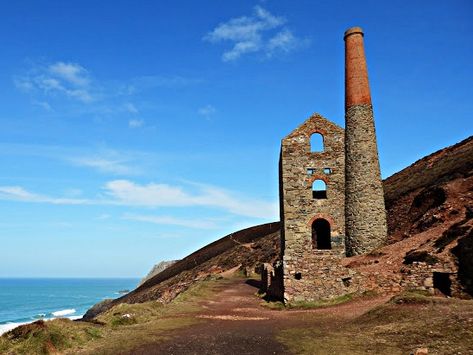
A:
(365, 211)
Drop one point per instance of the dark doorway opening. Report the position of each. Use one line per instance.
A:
(443, 283)
(321, 234)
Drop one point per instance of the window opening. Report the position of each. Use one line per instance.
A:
(316, 142)
(327, 171)
(319, 189)
(346, 281)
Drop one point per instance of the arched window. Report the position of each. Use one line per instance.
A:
(316, 142)
(321, 234)
(319, 189)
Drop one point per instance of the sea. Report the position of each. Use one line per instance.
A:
(24, 300)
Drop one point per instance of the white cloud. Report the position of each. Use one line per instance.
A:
(105, 165)
(45, 105)
(207, 111)
(255, 33)
(151, 195)
(18, 193)
(135, 123)
(60, 78)
(129, 107)
(70, 72)
(282, 41)
(158, 195)
(169, 220)
(128, 193)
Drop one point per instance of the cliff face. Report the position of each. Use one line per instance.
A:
(161, 266)
(430, 220)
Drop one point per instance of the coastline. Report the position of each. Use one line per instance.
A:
(26, 300)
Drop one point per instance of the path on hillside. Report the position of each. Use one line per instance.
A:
(235, 323)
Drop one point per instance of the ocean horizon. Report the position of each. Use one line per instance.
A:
(25, 300)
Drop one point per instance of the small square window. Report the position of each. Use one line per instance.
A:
(310, 171)
(327, 171)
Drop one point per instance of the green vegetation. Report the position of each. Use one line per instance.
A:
(124, 326)
(415, 297)
(46, 337)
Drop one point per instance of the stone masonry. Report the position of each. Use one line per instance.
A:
(365, 211)
(311, 267)
(331, 198)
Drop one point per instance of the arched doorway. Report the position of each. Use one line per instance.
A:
(321, 234)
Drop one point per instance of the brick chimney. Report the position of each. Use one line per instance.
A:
(366, 227)
(357, 88)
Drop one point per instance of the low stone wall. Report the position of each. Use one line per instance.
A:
(420, 276)
(319, 276)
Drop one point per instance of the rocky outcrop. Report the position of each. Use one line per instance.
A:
(161, 266)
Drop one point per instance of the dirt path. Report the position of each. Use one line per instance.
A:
(233, 322)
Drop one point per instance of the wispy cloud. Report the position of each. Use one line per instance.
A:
(135, 123)
(207, 111)
(72, 73)
(45, 105)
(128, 193)
(18, 193)
(60, 78)
(158, 195)
(262, 32)
(170, 220)
(129, 107)
(106, 165)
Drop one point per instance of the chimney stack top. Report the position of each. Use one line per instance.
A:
(352, 31)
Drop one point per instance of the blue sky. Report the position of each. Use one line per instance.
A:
(139, 131)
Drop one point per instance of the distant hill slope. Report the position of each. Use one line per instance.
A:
(247, 248)
(159, 267)
(412, 194)
(430, 219)
(429, 206)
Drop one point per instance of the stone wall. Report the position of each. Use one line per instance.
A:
(421, 276)
(311, 273)
(365, 211)
(318, 275)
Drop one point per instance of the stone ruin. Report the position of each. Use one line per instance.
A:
(331, 195)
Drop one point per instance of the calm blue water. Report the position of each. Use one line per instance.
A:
(26, 300)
